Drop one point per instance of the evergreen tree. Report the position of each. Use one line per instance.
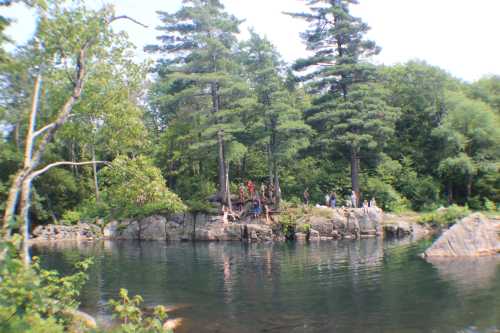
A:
(199, 44)
(337, 71)
(279, 125)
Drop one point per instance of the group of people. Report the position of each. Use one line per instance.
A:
(331, 200)
(261, 198)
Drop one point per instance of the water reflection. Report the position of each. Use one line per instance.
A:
(343, 286)
(468, 274)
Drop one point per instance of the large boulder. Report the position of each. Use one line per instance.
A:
(346, 223)
(322, 225)
(473, 236)
(153, 228)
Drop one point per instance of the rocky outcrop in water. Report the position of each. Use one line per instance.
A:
(325, 224)
(67, 232)
(473, 236)
(187, 227)
(345, 223)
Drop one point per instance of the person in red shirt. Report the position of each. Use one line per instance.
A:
(251, 188)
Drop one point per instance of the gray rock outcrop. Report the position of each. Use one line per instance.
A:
(326, 224)
(67, 232)
(346, 223)
(472, 236)
(178, 228)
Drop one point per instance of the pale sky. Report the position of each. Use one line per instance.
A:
(460, 36)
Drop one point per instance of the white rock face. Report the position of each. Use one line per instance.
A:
(473, 236)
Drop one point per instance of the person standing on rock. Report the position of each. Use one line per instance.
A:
(270, 193)
(354, 199)
(365, 206)
(327, 200)
(306, 196)
(242, 196)
(333, 200)
(251, 189)
(373, 203)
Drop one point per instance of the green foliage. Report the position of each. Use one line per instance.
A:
(36, 300)
(288, 219)
(489, 205)
(71, 217)
(136, 188)
(305, 228)
(386, 196)
(445, 216)
(127, 310)
(487, 89)
(418, 91)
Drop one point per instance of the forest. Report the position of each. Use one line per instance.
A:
(119, 138)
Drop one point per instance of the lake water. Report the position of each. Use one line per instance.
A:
(338, 286)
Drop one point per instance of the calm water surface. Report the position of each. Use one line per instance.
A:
(341, 286)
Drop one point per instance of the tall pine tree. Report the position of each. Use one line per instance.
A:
(334, 71)
(279, 126)
(199, 42)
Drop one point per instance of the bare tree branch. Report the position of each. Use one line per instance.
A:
(51, 165)
(125, 17)
(43, 129)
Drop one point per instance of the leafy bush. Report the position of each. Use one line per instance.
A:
(37, 300)
(445, 216)
(489, 205)
(136, 188)
(71, 217)
(127, 310)
(305, 228)
(386, 196)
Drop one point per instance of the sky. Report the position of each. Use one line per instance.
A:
(460, 36)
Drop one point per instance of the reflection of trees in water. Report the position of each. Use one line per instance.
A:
(355, 286)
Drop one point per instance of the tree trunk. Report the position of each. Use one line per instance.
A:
(94, 170)
(222, 167)
(15, 188)
(228, 190)
(277, 188)
(24, 208)
(214, 90)
(355, 171)
(270, 163)
(469, 187)
(11, 203)
(450, 193)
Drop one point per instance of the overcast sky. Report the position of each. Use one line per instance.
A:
(461, 36)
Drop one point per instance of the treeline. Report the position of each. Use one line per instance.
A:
(214, 111)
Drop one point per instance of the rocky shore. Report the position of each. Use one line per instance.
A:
(329, 224)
